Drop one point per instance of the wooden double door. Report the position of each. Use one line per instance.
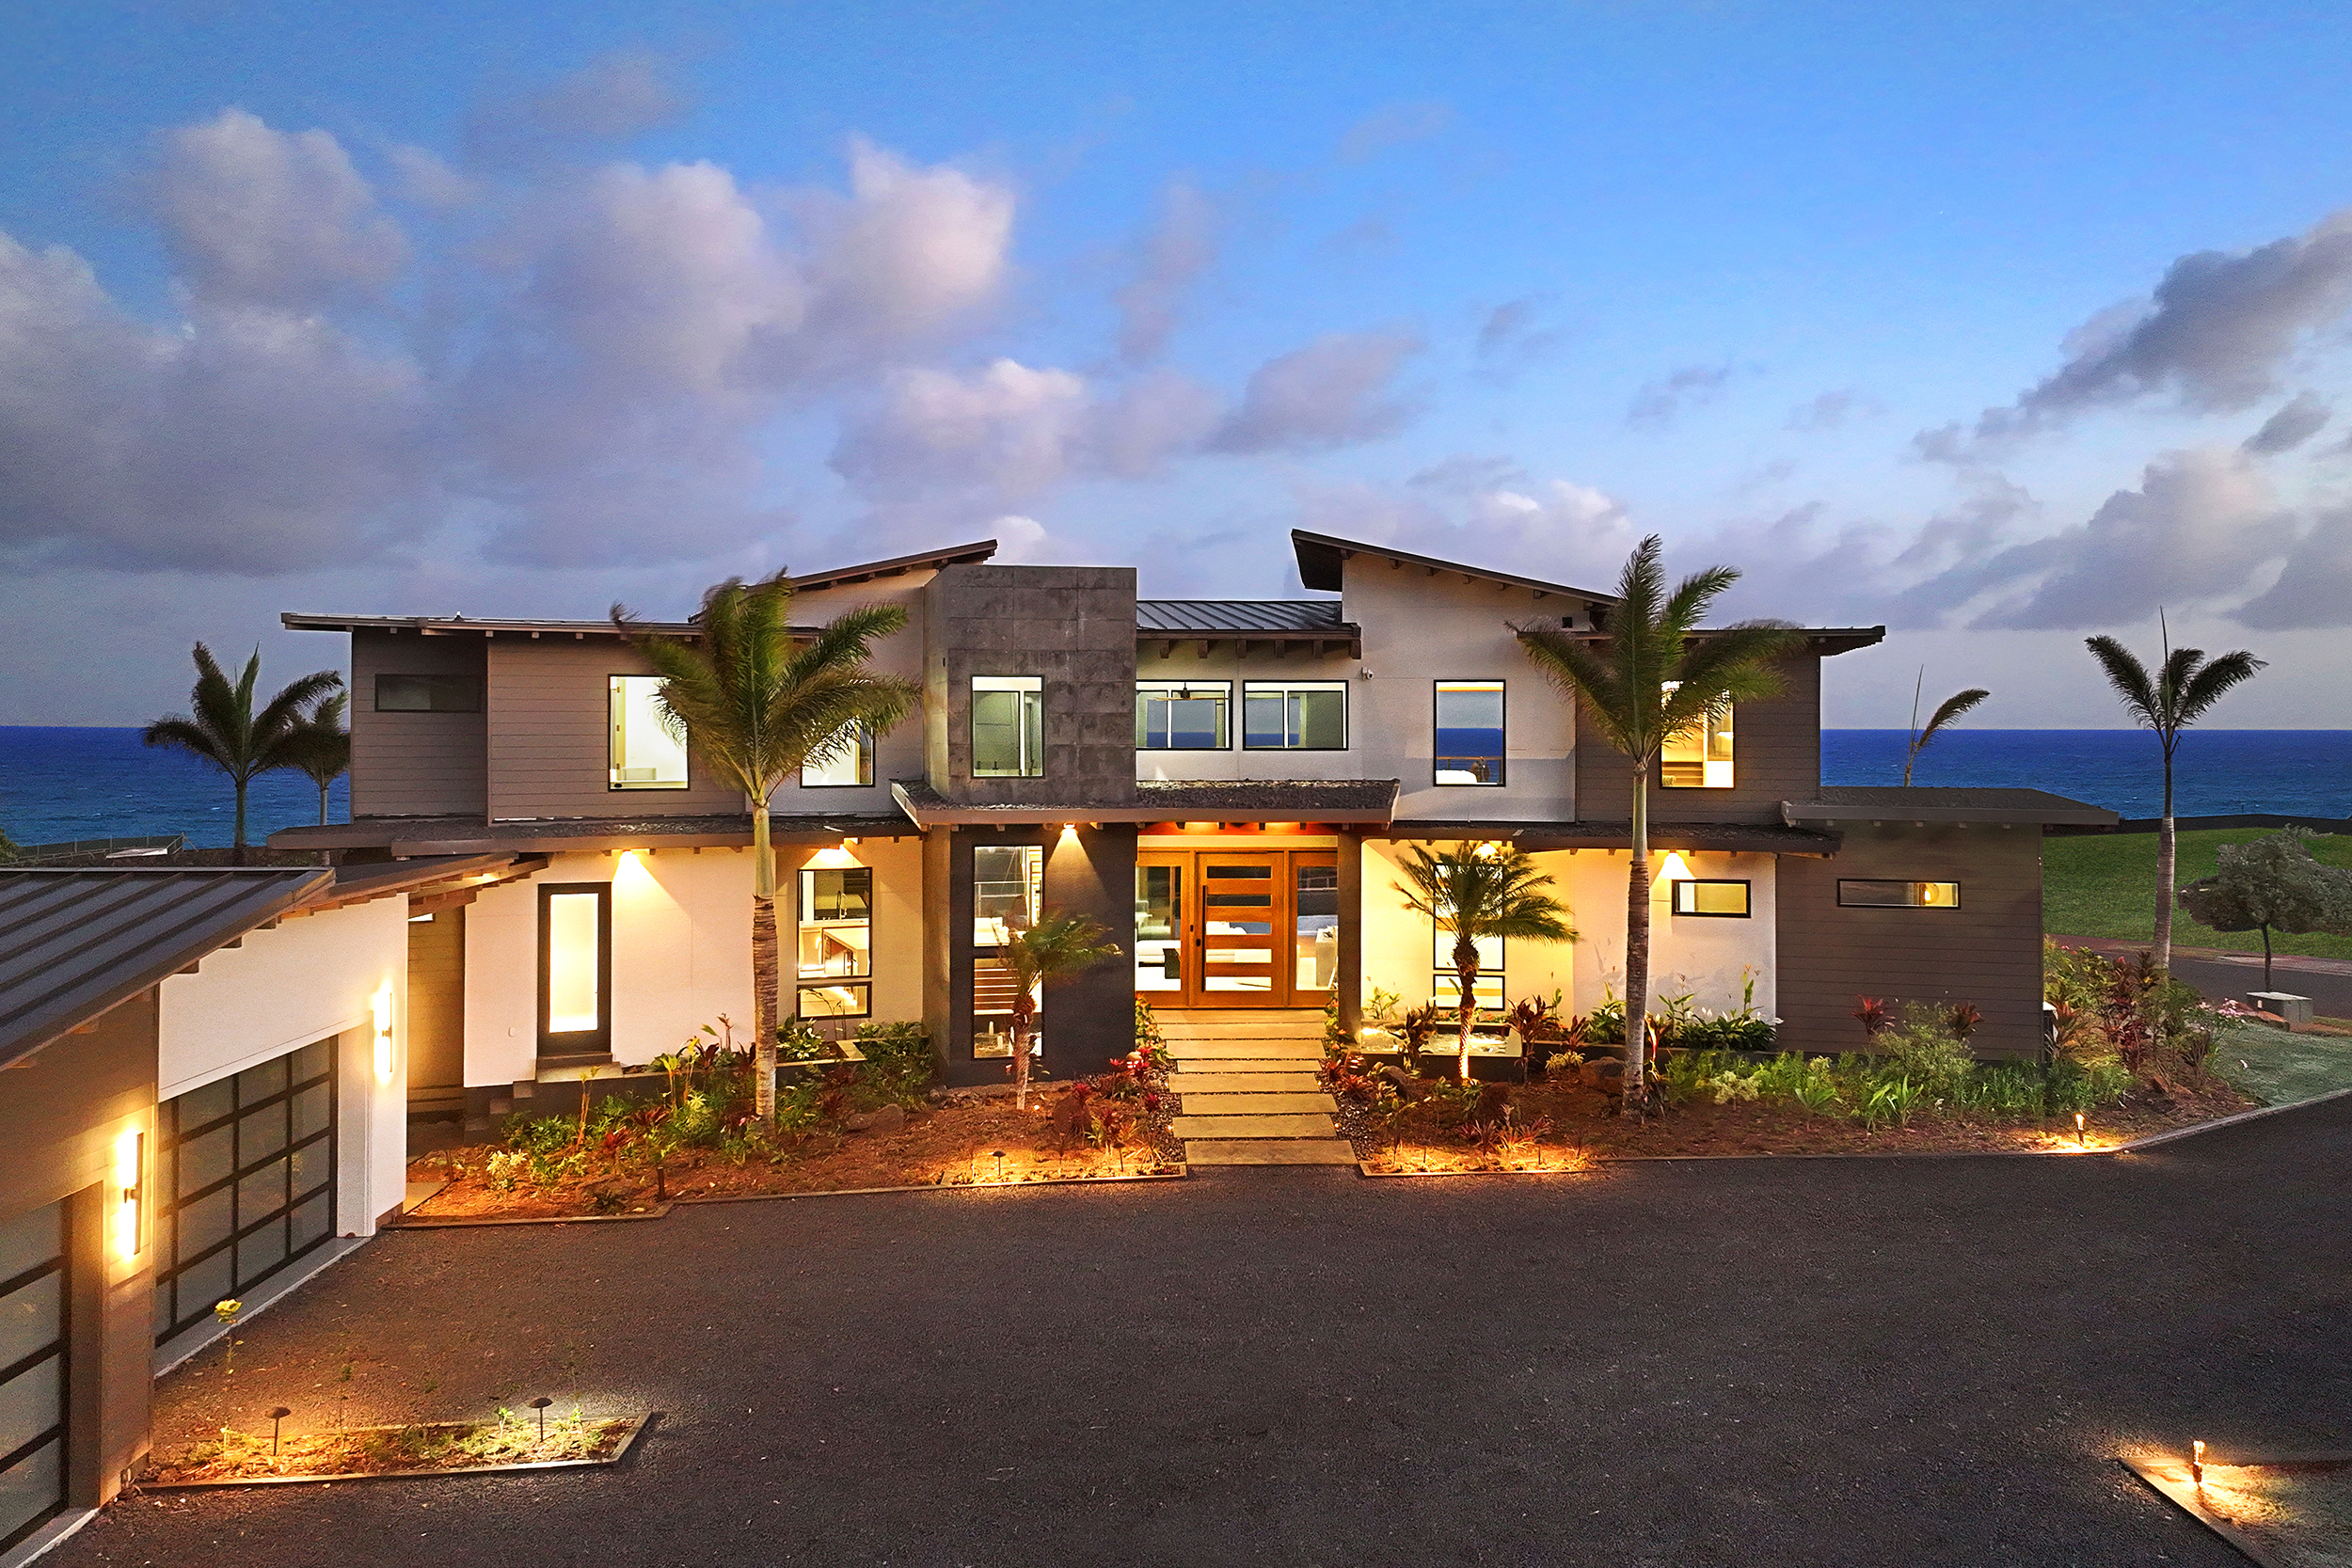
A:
(1236, 928)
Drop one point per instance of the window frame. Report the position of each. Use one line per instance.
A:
(1346, 716)
(858, 982)
(613, 697)
(1747, 898)
(1032, 689)
(1502, 757)
(1224, 712)
(60, 1436)
(470, 686)
(1442, 972)
(984, 951)
(1707, 731)
(1843, 882)
(864, 754)
(577, 1042)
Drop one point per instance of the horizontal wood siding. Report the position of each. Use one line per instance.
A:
(551, 736)
(1777, 756)
(1988, 951)
(416, 764)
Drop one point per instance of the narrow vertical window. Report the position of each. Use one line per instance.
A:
(848, 765)
(1006, 882)
(1469, 733)
(574, 969)
(1698, 758)
(836, 942)
(1007, 727)
(645, 754)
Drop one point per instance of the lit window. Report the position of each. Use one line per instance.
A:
(1007, 727)
(848, 768)
(836, 918)
(1183, 716)
(1445, 983)
(1470, 732)
(1005, 881)
(427, 694)
(575, 968)
(1698, 758)
(1729, 900)
(1294, 716)
(645, 753)
(1875, 894)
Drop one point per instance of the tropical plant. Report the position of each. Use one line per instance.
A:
(321, 747)
(223, 729)
(1054, 948)
(1648, 674)
(2184, 686)
(757, 704)
(1477, 892)
(2272, 881)
(1951, 707)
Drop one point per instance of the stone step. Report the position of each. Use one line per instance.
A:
(1190, 1051)
(1269, 1152)
(1240, 1031)
(1309, 1124)
(1222, 1082)
(1291, 1067)
(1273, 1103)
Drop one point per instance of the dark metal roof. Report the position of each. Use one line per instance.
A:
(413, 836)
(1895, 803)
(931, 560)
(1368, 800)
(1828, 642)
(1320, 554)
(1771, 838)
(75, 943)
(1225, 617)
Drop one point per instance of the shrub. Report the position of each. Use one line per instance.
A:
(1739, 1031)
(1923, 1050)
(899, 1065)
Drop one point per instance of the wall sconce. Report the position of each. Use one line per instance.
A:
(130, 1160)
(1675, 869)
(384, 1032)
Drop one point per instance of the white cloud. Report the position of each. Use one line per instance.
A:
(1336, 392)
(1180, 247)
(257, 217)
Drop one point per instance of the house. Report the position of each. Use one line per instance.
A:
(1228, 785)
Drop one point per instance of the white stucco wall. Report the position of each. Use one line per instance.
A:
(897, 939)
(1399, 944)
(1710, 957)
(310, 979)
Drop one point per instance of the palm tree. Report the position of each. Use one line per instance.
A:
(1476, 892)
(1647, 676)
(1952, 707)
(757, 706)
(222, 728)
(321, 747)
(1054, 948)
(2184, 686)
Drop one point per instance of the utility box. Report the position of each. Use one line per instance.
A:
(2296, 1011)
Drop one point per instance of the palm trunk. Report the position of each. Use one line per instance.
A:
(1024, 1013)
(2168, 848)
(323, 789)
(1466, 972)
(2267, 985)
(236, 845)
(764, 975)
(1637, 947)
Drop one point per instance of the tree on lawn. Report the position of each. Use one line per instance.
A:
(1054, 948)
(1477, 892)
(321, 747)
(222, 728)
(756, 706)
(1949, 709)
(2184, 686)
(1648, 674)
(2272, 882)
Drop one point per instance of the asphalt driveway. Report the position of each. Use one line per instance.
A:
(1736, 1362)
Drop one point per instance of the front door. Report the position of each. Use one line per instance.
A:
(1232, 929)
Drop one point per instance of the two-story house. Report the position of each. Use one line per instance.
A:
(1226, 786)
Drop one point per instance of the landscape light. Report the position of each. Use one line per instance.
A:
(129, 1152)
(277, 1413)
(2082, 1133)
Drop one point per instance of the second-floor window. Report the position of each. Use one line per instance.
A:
(1293, 716)
(848, 768)
(645, 755)
(427, 694)
(1698, 758)
(1469, 733)
(1183, 716)
(1007, 727)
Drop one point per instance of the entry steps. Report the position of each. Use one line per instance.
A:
(1246, 1087)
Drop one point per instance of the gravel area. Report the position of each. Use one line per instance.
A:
(1743, 1362)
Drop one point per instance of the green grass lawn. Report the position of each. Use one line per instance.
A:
(2279, 1068)
(2105, 885)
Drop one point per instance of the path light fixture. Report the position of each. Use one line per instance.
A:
(277, 1413)
(1000, 1163)
(2197, 1460)
(2082, 1133)
(540, 1404)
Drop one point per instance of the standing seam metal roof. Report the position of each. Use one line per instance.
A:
(1239, 615)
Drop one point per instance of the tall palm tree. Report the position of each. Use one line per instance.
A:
(1054, 948)
(222, 728)
(1647, 677)
(1951, 708)
(1479, 890)
(756, 705)
(321, 747)
(2176, 696)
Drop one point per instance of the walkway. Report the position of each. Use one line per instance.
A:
(1246, 1082)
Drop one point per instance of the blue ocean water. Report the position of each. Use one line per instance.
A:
(61, 784)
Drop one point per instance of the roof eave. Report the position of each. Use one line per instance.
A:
(1795, 813)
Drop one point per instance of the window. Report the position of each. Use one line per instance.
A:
(1445, 983)
(1729, 900)
(1315, 921)
(1006, 879)
(847, 768)
(427, 694)
(1897, 895)
(836, 942)
(1007, 727)
(1294, 716)
(645, 753)
(1183, 716)
(1700, 756)
(574, 969)
(32, 1306)
(1470, 732)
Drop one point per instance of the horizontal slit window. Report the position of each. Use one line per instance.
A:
(427, 694)
(1857, 894)
(1723, 899)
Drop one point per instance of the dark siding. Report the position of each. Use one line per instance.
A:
(1777, 756)
(1988, 951)
(415, 764)
(436, 1003)
(551, 735)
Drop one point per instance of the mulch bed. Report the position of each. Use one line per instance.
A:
(244, 1457)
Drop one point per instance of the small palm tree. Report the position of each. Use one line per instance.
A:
(1654, 676)
(222, 728)
(1476, 892)
(2176, 696)
(1951, 708)
(1054, 948)
(321, 747)
(756, 705)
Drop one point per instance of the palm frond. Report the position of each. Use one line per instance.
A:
(1475, 894)
(1055, 947)
(1952, 709)
(2207, 685)
(2129, 677)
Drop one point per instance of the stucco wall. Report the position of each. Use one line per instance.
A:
(1710, 957)
(1399, 944)
(897, 909)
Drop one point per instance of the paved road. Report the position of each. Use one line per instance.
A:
(2330, 993)
(1727, 1362)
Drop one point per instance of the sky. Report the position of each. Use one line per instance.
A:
(2001, 325)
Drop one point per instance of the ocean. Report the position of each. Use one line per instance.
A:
(59, 784)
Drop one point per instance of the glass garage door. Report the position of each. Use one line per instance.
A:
(248, 1173)
(32, 1372)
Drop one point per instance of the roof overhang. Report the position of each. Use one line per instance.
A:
(2055, 811)
(1320, 556)
(1764, 838)
(1344, 637)
(973, 554)
(1350, 801)
(406, 838)
(1824, 642)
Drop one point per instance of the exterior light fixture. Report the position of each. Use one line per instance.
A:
(1000, 1165)
(540, 1404)
(277, 1413)
(130, 1151)
(384, 1032)
(2082, 1133)
(2197, 1459)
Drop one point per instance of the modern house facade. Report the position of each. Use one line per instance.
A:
(1228, 786)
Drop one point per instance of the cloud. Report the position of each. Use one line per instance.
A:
(2314, 587)
(1511, 339)
(1180, 247)
(611, 99)
(1832, 411)
(1393, 126)
(910, 250)
(1334, 392)
(2301, 419)
(1484, 511)
(1659, 403)
(426, 180)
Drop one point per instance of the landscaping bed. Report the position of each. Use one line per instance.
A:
(508, 1441)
